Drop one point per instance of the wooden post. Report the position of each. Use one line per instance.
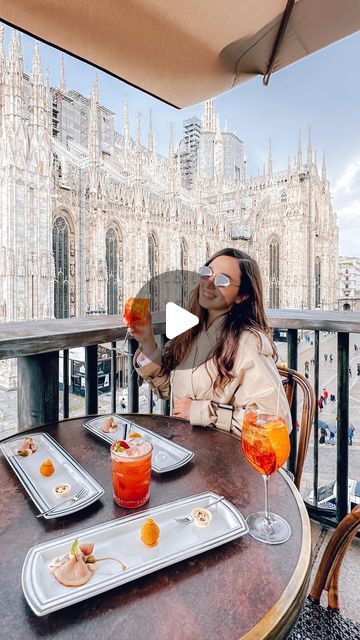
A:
(342, 500)
(91, 379)
(38, 390)
(293, 364)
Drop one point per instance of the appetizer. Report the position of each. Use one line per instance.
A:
(109, 425)
(202, 517)
(47, 468)
(62, 489)
(150, 533)
(27, 447)
(76, 567)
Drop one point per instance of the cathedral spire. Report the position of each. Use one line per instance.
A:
(269, 161)
(289, 167)
(323, 169)
(150, 133)
(209, 121)
(138, 147)
(299, 153)
(171, 142)
(38, 106)
(62, 81)
(14, 89)
(126, 133)
(138, 132)
(309, 149)
(36, 74)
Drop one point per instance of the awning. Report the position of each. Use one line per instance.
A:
(184, 51)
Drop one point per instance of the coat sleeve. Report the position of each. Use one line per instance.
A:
(151, 372)
(258, 384)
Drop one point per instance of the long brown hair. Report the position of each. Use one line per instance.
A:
(249, 314)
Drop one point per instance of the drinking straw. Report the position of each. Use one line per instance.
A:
(278, 401)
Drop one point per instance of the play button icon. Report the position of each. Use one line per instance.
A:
(178, 320)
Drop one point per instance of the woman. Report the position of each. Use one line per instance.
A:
(227, 361)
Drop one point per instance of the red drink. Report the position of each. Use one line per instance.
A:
(136, 310)
(265, 442)
(131, 471)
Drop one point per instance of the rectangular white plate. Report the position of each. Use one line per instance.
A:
(67, 469)
(121, 538)
(167, 455)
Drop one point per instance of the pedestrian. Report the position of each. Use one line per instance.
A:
(321, 403)
(123, 403)
(325, 357)
(358, 368)
(331, 357)
(307, 369)
(351, 433)
(312, 362)
(355, 347)
(325, 395)
(332, 430)
(350, 372)
(332, 397)
(323, 431)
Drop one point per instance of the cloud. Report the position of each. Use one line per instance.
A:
(346, 195)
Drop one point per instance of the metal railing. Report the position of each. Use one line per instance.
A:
(36, 345)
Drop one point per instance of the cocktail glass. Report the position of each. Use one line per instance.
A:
(136, 311)
(131, 472)
(266, 445)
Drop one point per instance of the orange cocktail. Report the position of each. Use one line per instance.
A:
(131, 471)
(136, 310)
(266, 445)
(265, 442)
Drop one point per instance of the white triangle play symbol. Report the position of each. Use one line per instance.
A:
(178, 320)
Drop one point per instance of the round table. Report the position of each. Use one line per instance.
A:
(243, 589)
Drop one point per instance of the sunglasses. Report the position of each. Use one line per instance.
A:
(220, 279)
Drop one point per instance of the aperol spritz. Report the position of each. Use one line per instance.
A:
(266, 445)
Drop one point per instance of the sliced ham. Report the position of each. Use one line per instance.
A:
(73, 573)
(109, 425)
(27, 447)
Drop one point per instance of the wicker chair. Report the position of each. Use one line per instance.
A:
(316, 622)
(291, 379)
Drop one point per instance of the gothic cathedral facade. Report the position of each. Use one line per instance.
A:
(89, 214)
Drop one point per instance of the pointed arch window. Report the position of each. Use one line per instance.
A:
(112, 264)
(61, 262)
(152, 271)
(317, 283)
(184, 283)
(274, 273)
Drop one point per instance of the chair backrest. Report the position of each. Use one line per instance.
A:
(327, 576)
(291, 379)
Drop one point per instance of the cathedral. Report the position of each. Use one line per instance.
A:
(89, 214)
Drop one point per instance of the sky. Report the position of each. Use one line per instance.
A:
(322, 92)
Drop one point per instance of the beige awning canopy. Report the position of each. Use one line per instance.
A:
(184, 51)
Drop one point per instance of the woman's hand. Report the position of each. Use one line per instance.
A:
(143, 333)
(182, 408)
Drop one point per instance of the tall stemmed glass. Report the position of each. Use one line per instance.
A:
(136, 311)
(266, 445)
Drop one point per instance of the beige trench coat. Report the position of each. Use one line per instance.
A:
(256, 381)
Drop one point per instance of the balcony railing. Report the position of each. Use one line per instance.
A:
(36, 345)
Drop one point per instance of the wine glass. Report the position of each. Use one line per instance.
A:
(266, 445)
(136, 311)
